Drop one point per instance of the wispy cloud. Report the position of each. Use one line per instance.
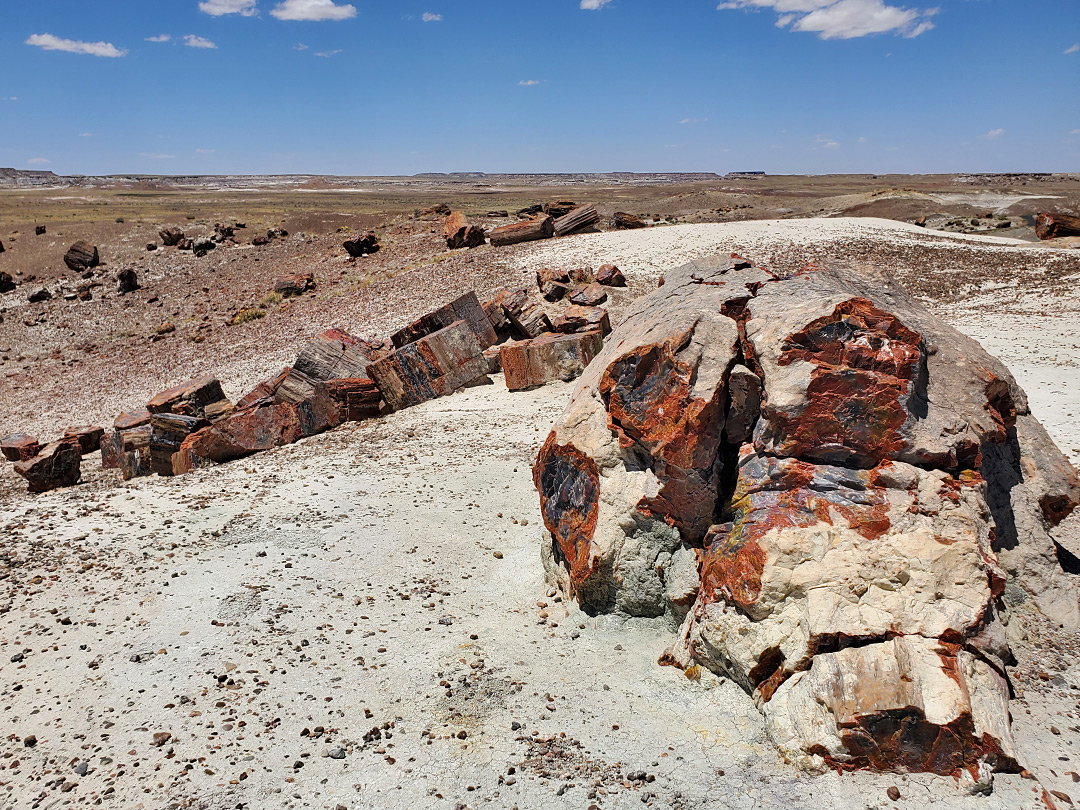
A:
(193, 41)
(692, 120)
(159, 38)
(594, 5)
(1073, 49)
(300, 46)
(328, 54)
(10, 98)
(86, 134)
(156, 156)
(313, 10)
(217, 8)
(1075, 132)
(842, 19)
(529, 82)
(430, 17)
(39, 161)
(204, 151)
(50, 43)
(826, 143)
(992, 134)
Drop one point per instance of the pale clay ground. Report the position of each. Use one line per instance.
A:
(313, 579)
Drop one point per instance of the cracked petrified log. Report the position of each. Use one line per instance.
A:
(1052, 226)
(524, 311)
(168, 431)
(201, 397)
(460, 234)
(82, 256)
(464, 308)
(550, 357)
(19, 447)
(56, 465)
(832, 488)
(577, 220)
(88, 437)
(590, 295)
(582, 319)
(543, 227)
(433, 366)
(332, 354)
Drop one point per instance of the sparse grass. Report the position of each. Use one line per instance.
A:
(245, 316)
(271, 299)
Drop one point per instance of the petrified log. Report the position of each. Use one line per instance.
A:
(185, 244)
(590, 296)
(543, 227)
(19, 447)
(357, 398)
(524, 311)
(82, 256)
(295, 284)
(610, 276)
(437, 210)
(551, 357)
(118, 444)
(88, 437)
(582, 319)
(553, 283)
(136, 463)
(56, 465)
(242, 434)
(621, 221)
(170, 236)
(168, 431)
(127, 280)
(333, 354)
(822, 479)
(577, 220)
(132, 419)
(39, 296)
(363, 245)
(559, 208)
(7, 283)
(460, 234)
(497, 317)
(435, 365)
(529, 211)
(263, 393)
(1052, 226)
(201, 397)
(465, 308)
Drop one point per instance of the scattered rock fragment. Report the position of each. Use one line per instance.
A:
(203, 245)
(88, 437)
(524, 312)
(610, 276)
(363, 245)
(592, 295)
(38, 296)
(621, 221)
(39, 230)
(19, 447)
(551, 357)
(295, 284)
(7, 283)
(170, 236)
(56, 465)
(582, 319)
(127, 280)
(82, 256)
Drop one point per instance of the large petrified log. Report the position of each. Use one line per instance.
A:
(82, 256)
(621, 221)
(543, 227)
(464, 308)
(460, 234)
(832, 488)
(333, 354)
(56, 465)
(577, 220)
(433, 366)
(201, 397)
(550, 357)
(1052, 226)
(168, 431)
(19, 447)
(88, 437)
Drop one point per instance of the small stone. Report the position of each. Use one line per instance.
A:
(893, 793)
(161, 737)
(29, 741)
(337, 753)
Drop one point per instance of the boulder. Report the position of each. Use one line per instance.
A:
(39, 230)
(167, 434)
(56, 464)
(171, 236)
(333, 354)
(550, 357)
(460, 234)
(524, 311)
(88, 437)
(151, 246)
(82, 256)
(259, 241)
(590, 296)
(7, 283)
(203, 245)
(19, 447)
(39, 296)
(610, 276)
(831, 489)
(295, 284)
(363, 245)
(621, 221)
(200, 397)
(553, 284)
(433, 366)
(465, 308)
(185, 244)
(582, 319)
(127, 280)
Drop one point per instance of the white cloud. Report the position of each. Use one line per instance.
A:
(313, 10)
(156, 156)
(204, 151)
(159, 38)
(692, 120)
(51, 43)
(862, 139)
(826, 143)
(842, 19)
(992, 134)
(594, 5)
(193, 41)
(429, 17)
(327, 54)
(217, 8)
(86, 134)
(11, 98)
(38, 161)
(300, 46)
(1073, 49)
(529, 82)
(1075, 132)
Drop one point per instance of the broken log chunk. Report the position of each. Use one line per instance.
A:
(524, 311)
(333, 354)
(582, 319)
(135, 464)
(433, 366)
(460, 234)
(610, 276)
(465, 308)
(19, 447)
(263, 393)
(171, 236)
(56, 465)
(497, 316)
(168, 431)
(543, 227)
(589, 296)
(39, 230)
(559, 208)
(363, 245)
(241, 434)
(82, 256)
(621, 221)
(357, 398)
(494, 361)
(132, 419)
(548, 358)
(577, 220)
(295, 284)
(127, 280)
(191, 398)
(553, 283)
(7, 283)
(1053, 226)
(88, 437)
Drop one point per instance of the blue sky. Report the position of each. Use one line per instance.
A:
(324, 86)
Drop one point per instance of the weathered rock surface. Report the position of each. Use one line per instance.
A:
(333, 354)
(127, 280)
(550, 357)
(171, 236)
(524, 311)
(19, 447)
(589, 296)
(82, 256)
(621, 221)
(464, 308)
(460, 234)
(363, 245)
(582, 319)
(834, 488)
(201, 397)
(56, 465)
(295, 284)
(433, 366)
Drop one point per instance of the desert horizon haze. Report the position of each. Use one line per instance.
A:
(365, 88)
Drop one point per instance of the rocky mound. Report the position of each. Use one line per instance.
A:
(833, 490)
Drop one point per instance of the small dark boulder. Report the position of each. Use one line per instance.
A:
(127, 280)
(365, 244)
(82, 256)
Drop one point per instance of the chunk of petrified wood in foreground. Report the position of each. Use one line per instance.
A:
(464, 308)
(435, 365)
(168, 431)
(582, 319)
(550, 357)
(201, 397)
(543, 227)
(1052, 226)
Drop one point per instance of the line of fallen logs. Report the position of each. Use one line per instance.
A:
(336, 378)
(542, 222)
